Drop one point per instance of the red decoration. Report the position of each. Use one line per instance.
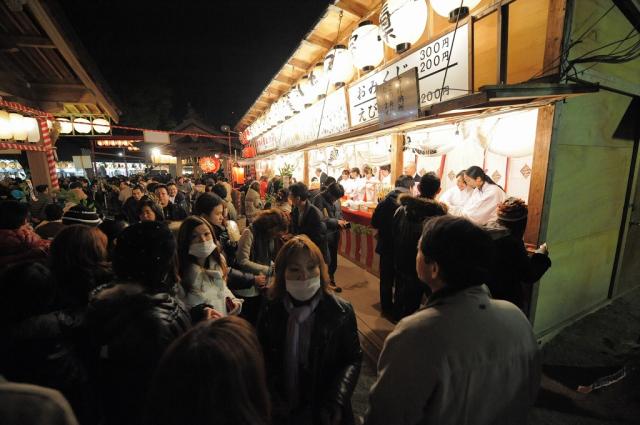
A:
(243, 138)
(209, 164)
(248, 152)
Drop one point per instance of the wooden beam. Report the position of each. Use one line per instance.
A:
(299, 64)
(555, 32)
(286, 80)
(27, 41)
(319, 41)
(67, 93)
(353, 8)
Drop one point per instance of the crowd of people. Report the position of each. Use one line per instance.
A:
(143, 302)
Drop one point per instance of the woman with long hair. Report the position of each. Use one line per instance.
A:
(257, 249)
(481, 207)
(149, 210)
(79, 263)
(310, 340)
(203, 269)
(212, 375)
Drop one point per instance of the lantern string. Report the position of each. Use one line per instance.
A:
(326, 90)
(453, 40)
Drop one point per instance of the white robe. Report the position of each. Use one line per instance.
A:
(456, 198)
(371, 188)
(481, 207)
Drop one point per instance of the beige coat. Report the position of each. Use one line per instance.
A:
(463, 359)
(252, 204)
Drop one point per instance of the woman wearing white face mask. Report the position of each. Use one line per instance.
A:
(203, 271)
(315, 333)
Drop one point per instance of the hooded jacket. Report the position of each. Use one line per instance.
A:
(408, 222)
(131, 329)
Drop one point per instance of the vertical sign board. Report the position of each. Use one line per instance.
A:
(397, 99)
(431, 63)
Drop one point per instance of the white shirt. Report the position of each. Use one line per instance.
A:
(481, 207)
(371, 188)
(386, 181)
(355, 189)
(455, 197)
(209, 287)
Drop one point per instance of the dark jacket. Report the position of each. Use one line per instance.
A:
(513, 267)
(130, 208)
(228, 247)
(331, 213)
(50, 229)
(312, 225)
(174, 212)
(335, 355)
(130, 328)
(382, 220)
(20, 245)
(47, 350)
(37, 207)
(408, 222)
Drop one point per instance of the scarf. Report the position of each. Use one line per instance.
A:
(299, 328)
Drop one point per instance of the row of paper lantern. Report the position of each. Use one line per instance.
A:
(18, 128)
(83, 125)
(402, 23)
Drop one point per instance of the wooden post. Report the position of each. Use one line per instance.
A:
(305, 171)
(397, 156)
(39, 168)
(178, 166)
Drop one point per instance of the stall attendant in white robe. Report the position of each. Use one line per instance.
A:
(385, 176)
(458, 195)
(355, 188)
(371, 184)
(481, 207)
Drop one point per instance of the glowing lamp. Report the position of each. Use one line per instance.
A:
(307, 91)
(338, 65)
(318, 80)
(102, 126)
(365, 45)
(209, 164)
(65, 126)
(296, 100)
(18, 126)
(5, 126)
(402, 22)
(451, 8)
(82, 125)
(33, 129)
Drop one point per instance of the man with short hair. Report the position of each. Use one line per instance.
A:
(49, 228)
(322, 176)
(382, 220)
(326, 202)
(130, 207)
(42, 199)
(408, 222)
(171, 211)
(125, 191)
(306, 218)
(465, 358)
(176, 196)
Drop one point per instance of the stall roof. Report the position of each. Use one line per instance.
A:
(44, 65)
(345, 14)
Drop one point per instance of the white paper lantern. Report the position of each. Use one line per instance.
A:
(307, 91)
(338, 65)
(33, 129)
(82, 125)
(65, 125)
(445, 7)
(295, 100)
(102, 126)
(18, 126)
(402, 22)
(318, 80)
(365, 45)
(6, 131)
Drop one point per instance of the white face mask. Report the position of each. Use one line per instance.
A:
(202, 249)
(303, 290)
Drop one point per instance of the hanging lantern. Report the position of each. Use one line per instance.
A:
(33, 129)
(318, 80)
(451, 8)
(5, 126)
(82, 125)
(65, 126)
(402, 22)
(295, 100)
(101, 126)
(18, 126)
(338, 66)
(365, 45)
(209, 164)
(306, 91)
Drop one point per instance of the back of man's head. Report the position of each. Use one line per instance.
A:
(463, 251)
(335, 190)
(299, 190)
(53, 212)
(429, 185)
(405, 181)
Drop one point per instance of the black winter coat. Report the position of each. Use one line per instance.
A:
(335, 355)
(513, 267)
(322, 201)
(382, 220)
(130, 329)
(313, 225)
(408, 223)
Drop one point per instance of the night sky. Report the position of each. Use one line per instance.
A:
(159, 56)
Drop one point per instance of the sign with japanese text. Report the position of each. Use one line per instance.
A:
(431, 64)
(397, 99)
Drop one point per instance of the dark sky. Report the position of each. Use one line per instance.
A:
(218, 55)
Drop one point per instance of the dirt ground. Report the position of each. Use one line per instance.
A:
(595, 346)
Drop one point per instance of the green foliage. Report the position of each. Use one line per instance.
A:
(359, 229)
(287, 170)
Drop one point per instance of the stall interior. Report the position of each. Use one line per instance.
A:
(289, 166)
(11, 168)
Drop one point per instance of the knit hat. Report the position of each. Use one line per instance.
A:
(512, 210)
(79, 214)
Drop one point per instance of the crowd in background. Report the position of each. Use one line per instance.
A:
(143, 301)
